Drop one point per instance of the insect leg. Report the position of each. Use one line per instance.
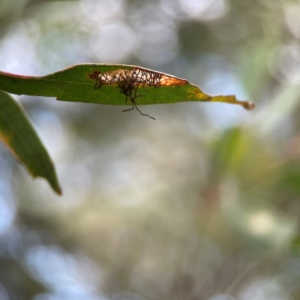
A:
(140, 111)
(129, 108)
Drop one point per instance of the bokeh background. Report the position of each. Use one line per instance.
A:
(202, 203)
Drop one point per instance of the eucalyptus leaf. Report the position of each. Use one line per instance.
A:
(20, 137)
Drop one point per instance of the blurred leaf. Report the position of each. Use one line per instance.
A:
(230, 151)
(17, 280)
(18, 134)
(291, 178)
(77, 84)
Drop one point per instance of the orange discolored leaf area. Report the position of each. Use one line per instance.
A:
(136, 75)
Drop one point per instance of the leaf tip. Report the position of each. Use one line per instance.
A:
(59, 192)
(56, 188)
(249, 105)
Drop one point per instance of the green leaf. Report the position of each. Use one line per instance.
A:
(77, 84)
(19, 135)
